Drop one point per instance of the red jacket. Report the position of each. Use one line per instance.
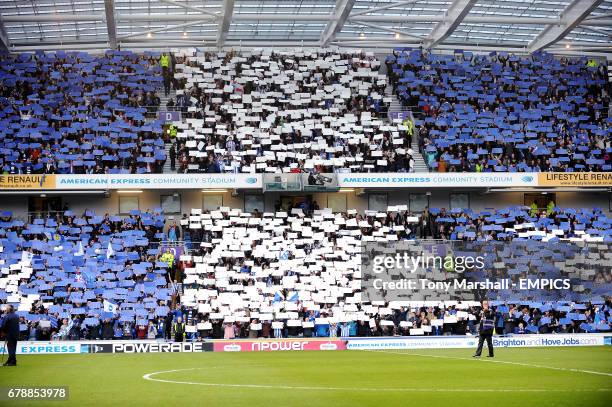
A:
(141, 332)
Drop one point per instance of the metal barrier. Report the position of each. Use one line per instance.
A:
(31, 216)
(164, 108)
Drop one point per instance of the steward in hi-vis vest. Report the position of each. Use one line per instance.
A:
(485, 331)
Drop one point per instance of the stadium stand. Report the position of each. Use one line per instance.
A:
(61, 267)
(195, 193)
(270, 111)
(512, 223)
(505, 112)
(261, 274)
(317, 110)
(76, 113)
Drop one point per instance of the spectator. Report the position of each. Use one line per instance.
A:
(253, 333)
(173, 232)
(520, 329)
(168, 326)
(172, 154)
(228, 331)
(179, 330)
(151, 331)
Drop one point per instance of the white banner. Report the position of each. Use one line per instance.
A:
(416, 342)
(450, 342)
(42, 348)
(158, 181)
(345, 180)
(438, 180)
(120, 346)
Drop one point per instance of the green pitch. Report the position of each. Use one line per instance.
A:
(450, 378)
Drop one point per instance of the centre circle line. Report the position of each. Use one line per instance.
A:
(150, 377)
(495, 361)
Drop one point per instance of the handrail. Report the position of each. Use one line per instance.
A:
(163, 108)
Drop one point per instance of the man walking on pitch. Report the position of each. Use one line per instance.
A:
(485, 329)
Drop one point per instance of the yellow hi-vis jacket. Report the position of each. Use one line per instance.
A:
(168, 258)
(409, 126)
(164, 61)
(172, 131)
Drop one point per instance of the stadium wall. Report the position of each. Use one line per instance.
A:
(150, 199)
(303, 344)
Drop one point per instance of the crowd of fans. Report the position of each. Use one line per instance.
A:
(521, 222)
(279, 274)
(70, 271)
(433, 320)
(312, 110)
(272, 111)
(505, 112)
(76, 113)
(293, 272)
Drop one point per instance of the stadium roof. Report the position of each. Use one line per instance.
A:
(566, 26)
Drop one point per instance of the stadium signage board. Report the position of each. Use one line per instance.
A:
(331, 182)
(299, 344)
(401, 115)
(159, 181)
(273, 345)
(44, 348)
(155, 347)
(457, 342)
(31, 181)
(421, 342)
(169, 116)
(437, 180)
(133, 346)
(50, 347)
(575, 179)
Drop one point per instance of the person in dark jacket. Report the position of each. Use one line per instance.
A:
(364, 329)
(168, 326)
(485, 331)
(107, 329)
(266, 329)
(10, 328)
(173, 157)
(217, 329)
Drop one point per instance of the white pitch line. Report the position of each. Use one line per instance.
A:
(149, 376)
(491, 360)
